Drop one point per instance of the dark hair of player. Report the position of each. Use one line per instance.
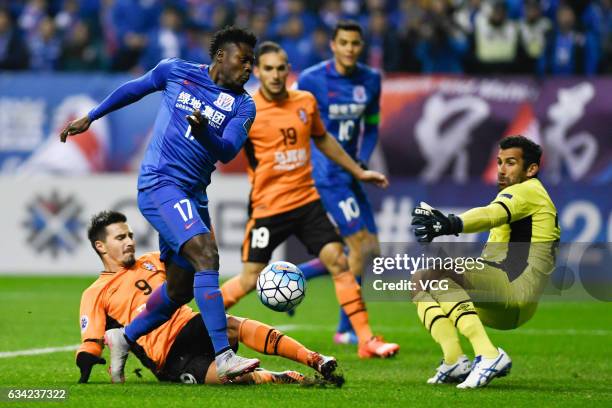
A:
(532, 152)
(97, 226)
(348, 25)
(231, 35)
(266, 47)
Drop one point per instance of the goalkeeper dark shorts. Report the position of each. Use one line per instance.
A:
(309, 223)
(190, 355)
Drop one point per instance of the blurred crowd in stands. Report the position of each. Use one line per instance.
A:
(543, 37)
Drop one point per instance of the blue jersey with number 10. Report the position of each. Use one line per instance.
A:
(174, 155)
(347, 103)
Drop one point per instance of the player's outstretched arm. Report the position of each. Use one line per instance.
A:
(332, 149)
(126, 94)
(481, 219)
(430, 223)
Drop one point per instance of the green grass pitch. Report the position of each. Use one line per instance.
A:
(562, 357)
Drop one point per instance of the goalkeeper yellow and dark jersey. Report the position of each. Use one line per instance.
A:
(521, 213)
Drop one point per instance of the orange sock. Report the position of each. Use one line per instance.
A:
(348, 293)
(265, 339)
(232, 292)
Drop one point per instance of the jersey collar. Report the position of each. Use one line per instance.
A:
(331, 69)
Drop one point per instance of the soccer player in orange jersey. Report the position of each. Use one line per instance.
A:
(180, 350)
(284, 200)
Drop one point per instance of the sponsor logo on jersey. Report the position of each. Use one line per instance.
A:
(346, 110)
(188, 102)
(303, 115)
(224, 101)
(290, 159)
(359, 94)
(215, 118)
(149, 266)
(84, 323)
(508, 196)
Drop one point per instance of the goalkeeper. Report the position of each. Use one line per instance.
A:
(519, 257)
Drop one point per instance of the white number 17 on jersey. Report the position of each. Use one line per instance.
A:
(187, 204)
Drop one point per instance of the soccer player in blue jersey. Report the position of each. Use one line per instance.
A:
(204, 117)
(348, 94)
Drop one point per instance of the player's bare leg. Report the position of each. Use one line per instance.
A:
(348, 293)
(201, 252)
(239, 286)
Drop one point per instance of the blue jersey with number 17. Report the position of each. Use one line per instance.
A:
(345, 101)
(174, 155)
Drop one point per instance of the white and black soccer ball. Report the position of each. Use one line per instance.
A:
(281, 286)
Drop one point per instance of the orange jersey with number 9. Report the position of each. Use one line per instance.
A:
(115, 299)
(278, 151)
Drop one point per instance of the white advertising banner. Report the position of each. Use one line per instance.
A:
(44, 221)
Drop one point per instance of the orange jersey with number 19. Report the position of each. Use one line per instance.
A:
(278, 151)
(115, 299)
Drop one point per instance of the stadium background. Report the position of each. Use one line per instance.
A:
(441, 116)
(445, 104)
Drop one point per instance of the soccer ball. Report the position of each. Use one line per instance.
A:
(281, 286)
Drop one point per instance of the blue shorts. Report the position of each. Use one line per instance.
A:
(177, 215)
(349, 208)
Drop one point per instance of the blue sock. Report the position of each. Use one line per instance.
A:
(344, 324)
(159, 309)
(313, 268)
(210, 302)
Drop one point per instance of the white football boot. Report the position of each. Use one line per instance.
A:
(451, 373)
(119, 350)
(486, 369)
(230, 365)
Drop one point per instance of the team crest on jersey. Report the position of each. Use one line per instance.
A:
(303, 115)
(149, 266)
(359, 94)
(224, 101)
(84, 323)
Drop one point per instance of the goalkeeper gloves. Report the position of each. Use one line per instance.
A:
(430, 223)
(85, 361)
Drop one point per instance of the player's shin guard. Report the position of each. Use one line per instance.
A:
(348, 293)
(267, 340)
(439, 326)
(159, 308)
(313, 268)
(466, 320)
(344, 324)
(210, 302)
(232, 292)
